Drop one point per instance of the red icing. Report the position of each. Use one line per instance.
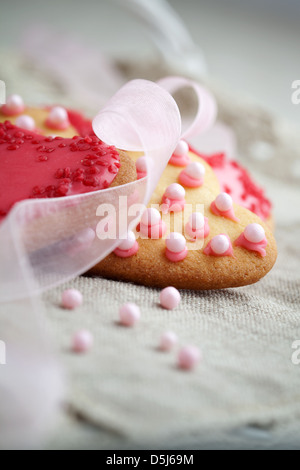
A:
(172, 205)
(34, 166)
(227, 214)
(201, 233)
(141, 174)
(189, 182)
(209, 251)
(61, 127)
(127, 253)
(81, 124)
(258, 247)
(175, 257)
(236, 181)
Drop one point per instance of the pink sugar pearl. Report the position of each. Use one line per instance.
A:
(168, 340)
(169, 298)
(71, 299)
(82, 341)
(189, 357)
(129, 314)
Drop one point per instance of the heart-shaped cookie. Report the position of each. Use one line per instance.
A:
(223, 254)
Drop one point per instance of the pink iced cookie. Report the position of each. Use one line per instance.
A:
(193, 175)
(180, 156)
(197, 226)
(58, 118)
(253, 239)
(223, 207)
(173, 199)
(167, 341)
(129, 314)
(176, 249)
(189, 357)
(82, 341)
(71, 299)
(127, 247)
(152, 225)
(14, 106)
(220, 245)
(169, 298)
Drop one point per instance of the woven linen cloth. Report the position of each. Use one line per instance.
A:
(125, 392)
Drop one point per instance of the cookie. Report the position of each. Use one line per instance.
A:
(223, 256)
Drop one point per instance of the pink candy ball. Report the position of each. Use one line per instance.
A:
(15, 103)
(129, 242)
(223, 202)
(129, 314)
(141, 164)
(220, 244)
(151, 217)
(25, 122)
(169, 298)
(195, 170)
(175, 242)
(168, 340)
(189, 357)
(196, 221)
(82, 341)
(58, 115)
(182, 149)
(175, 191)
(254, 233)
(71, 299)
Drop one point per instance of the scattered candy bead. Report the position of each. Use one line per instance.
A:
(152, 225)
(14, 105)
(180, 156)
(82, 341)
(223, 206)
(193, 175)
(58, 118)
(253, 239)
(168, 340)
(71, 299)
(220, 245)
(169, 298)
(127, 247)
(26, 122)
(176, 249)
(254, 233)
(173, 198)
(197, 226)
(189, 357)
(129, 314)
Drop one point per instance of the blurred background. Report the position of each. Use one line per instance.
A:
(250, 47)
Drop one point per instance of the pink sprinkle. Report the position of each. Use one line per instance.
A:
(82, 341)
(71, 299)
(129, 314)
(189, 357)
(169, 298)
(168, 341)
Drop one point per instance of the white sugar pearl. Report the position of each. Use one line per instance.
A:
(168, 340)
(58, 115)
(196, 221)
(141, 164)
(182, 149)
(223, 202)
(151, 217)
(176, 242)
(129, 242)
(175, 191)
(254, 233)
(26, 122)
(220, 244)
(14, 103)
(195, 170)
